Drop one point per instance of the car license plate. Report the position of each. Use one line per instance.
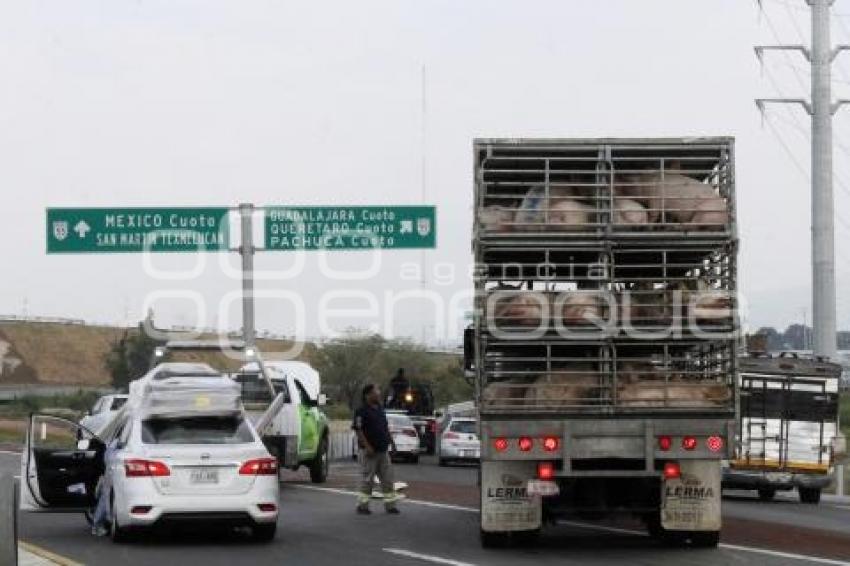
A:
(469, 453)
(203, 476)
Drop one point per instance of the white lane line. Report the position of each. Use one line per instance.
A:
(10, 452)
(735, 547)
(427, 557)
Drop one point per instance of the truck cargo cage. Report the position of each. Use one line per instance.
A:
(540, 189)
(607, 376)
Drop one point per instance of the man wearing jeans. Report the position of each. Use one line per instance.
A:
(374, 439)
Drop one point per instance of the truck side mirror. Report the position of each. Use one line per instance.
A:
(323, 399)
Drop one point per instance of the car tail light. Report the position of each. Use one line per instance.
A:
(672, 471)
(664, 443)
(545, 470)
(138, 468)
(715, 443)
(525, 444)
(500, 444)
(140, 510)
(551, 443)
(689, 443)
(410, 432)
(451, 436)
(267, 507)
(259, 467)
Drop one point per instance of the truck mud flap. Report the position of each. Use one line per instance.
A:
(506, 504)
(284, 448)
(692, 501)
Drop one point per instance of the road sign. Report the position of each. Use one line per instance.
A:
(350, 227)
(94, 230)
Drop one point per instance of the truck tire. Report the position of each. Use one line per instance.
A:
(767, 493)
(809, 495)
(321, 463)
(496, 539)
(704, 539)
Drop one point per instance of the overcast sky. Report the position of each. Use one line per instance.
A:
(206, 102)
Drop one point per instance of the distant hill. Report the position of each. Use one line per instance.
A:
(55, 353)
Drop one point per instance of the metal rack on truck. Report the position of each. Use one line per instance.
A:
(604, 334)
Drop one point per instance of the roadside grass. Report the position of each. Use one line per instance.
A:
(73, 404)
(12, 432)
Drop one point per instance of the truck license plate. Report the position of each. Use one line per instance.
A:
(203, 476)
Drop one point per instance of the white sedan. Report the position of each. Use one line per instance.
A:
(102, 412)
(405, 438)
(203, 468)
(459, 441)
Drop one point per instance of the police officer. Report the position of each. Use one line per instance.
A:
(374, 439)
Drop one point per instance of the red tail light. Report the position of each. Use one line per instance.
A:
(664, 443)
(138, 468)
(689, 443)
(551, 443)
(715, 443)
(410, 432)
(259, 467)
(545, 470)
(672, 471)
(500, 444)
(267, 507)
(525, 444)
(451, 436)
(140, 510)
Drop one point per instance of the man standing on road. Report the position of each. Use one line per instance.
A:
(374, 439)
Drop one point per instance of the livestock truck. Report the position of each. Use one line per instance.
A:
(788, 426)
(603, 343)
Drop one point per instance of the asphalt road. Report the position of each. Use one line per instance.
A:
(439, 525)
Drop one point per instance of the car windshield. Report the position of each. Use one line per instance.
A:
(464, 427)
(399, 421)
(197, 430)
(117, 403)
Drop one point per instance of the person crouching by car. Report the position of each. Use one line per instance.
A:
(374, 440)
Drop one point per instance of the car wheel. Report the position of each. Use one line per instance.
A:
(320, 465)
(118, 533)
(264, 532)
(767, 493)
(810, 495)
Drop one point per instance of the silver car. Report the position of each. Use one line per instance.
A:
(102, 413)
(458, 441)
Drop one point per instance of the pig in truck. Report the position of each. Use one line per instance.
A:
(603, 344)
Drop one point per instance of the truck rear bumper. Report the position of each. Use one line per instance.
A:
(780, 481)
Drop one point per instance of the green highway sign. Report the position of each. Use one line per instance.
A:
(94, 230)
(350, 227)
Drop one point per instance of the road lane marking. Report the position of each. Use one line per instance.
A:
(10, 452)
(735, 547)
(427, 557)
(48, 555)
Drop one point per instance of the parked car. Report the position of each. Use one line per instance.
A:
(102, 412)
(459, 441)
(405, 437)
(182, 450)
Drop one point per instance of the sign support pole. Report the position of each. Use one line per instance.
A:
(247, 250)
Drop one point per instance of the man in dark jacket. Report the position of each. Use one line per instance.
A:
(374, 438)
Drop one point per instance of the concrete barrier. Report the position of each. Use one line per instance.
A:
(343, 445)
(8, 521)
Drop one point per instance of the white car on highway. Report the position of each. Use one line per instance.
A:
(102, 412)
(458, 441)
(182, 452)
(405, 437)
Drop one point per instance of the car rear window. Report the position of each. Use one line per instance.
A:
(197, 430)
(117, 403)
(464, 427)
(399, 421)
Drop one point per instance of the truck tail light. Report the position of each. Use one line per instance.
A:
(689, 443)
(715, 443)
(138, 468)
(672, 471)
(259, 467)
(545, 470)
(664, 443)
(500, 444)
(551, 443)
(525, 444)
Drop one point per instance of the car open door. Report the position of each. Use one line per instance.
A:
(61, 465)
